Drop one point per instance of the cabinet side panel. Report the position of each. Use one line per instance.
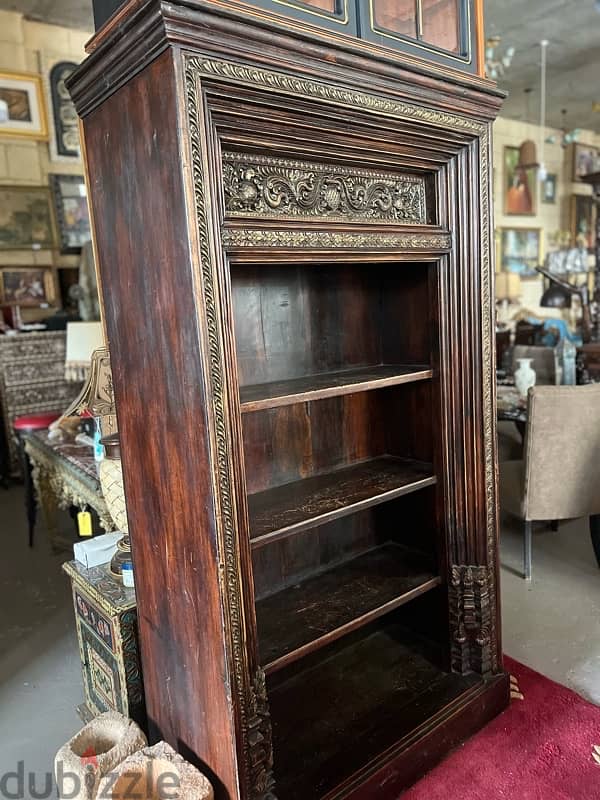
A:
(137, 193)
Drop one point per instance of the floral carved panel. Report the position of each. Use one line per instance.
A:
(261, 186)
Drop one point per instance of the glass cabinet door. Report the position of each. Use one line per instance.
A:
(337, 15)
(441, 30)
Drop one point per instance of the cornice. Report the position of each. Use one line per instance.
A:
(143, 29)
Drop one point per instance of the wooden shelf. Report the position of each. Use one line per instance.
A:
(329, 384)
(295, 507)
(366, 695)
(299, 619)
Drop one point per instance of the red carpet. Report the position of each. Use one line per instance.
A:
(540, 748)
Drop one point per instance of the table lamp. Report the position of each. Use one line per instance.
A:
(508, 286)
(559, 295)
(508, 290)
(82, 339)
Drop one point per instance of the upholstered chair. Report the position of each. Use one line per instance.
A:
(544, 362)
(559, 476)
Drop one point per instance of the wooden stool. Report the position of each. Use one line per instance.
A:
(27, 424)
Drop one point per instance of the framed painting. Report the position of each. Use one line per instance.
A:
(26, 218)
(549, 189)
(22, 109)
(64, 124)
(521, 250)
(520, 189)
(27, 286)
(586, 160)
(71, 206)
(583, 221)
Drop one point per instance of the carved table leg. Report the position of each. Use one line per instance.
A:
(48, 502)
(30, 501)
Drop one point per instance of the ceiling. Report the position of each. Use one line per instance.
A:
(70, 13)
(573, 30)
(571, 26)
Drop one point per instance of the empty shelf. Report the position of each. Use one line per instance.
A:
(297, 506)
(329, 384)
(324, 607)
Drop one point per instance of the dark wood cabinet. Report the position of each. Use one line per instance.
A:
(293, 235)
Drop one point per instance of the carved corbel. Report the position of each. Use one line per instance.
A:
(471, 619)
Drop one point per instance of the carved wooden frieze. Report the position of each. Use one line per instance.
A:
(471, 620)
(261, 186)
(234, 238)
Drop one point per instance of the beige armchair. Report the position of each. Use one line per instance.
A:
(559, 477)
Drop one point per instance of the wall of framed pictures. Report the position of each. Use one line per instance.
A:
(44, 218)
(528, 211)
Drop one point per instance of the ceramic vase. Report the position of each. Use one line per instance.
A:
(524, 376)
(110, 473)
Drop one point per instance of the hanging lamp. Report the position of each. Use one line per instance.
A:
(527, 149)
(542, 171)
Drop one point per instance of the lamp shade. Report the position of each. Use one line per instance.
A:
(527, 154)
(82, 339)
(508, 286)
(556, 297)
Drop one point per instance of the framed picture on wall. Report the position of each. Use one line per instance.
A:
(586, 160)
(583, 220)
(71, 206)
(549, 189)
(27, 286)
(22, 109)
(521, 250)
(64, 126)
(520, 190)
(26, 218)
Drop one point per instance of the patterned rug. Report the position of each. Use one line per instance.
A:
(545, 746)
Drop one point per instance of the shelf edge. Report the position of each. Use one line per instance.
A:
(335, 391)
(352, 625)
(339, 513)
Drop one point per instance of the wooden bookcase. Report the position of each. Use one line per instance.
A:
(293, 231)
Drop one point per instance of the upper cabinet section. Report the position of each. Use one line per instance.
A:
(440, 30)
(337, 15)
(443, 31)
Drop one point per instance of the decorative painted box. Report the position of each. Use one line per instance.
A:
(106, 620)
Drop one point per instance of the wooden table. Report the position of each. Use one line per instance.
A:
(63, 474)
(511, 407)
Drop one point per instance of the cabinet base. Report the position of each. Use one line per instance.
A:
(416, 754)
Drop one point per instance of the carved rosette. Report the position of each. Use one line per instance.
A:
(261, 186)
(471, 618)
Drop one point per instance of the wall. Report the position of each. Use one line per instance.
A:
(549, 217)
(23, 45)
